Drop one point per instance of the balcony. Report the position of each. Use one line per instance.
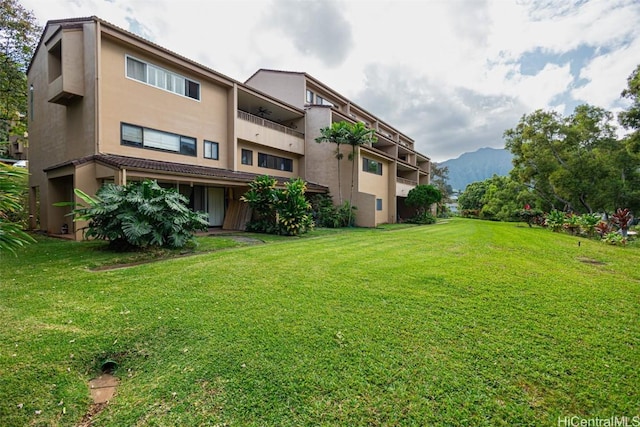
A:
(65, 67)
(265, 132)
(403, 186)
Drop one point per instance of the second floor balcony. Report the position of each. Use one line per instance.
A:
(259, 130)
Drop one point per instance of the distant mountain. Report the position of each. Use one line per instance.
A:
(477, 166)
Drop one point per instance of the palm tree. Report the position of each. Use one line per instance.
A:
(337, 134)
(358, 134)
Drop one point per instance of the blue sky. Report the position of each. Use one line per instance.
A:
(453, 75)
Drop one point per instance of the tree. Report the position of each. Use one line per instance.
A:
(630, 118)
(12, 185)
(357, 136)
(573, 163)
(504, 199)
(472, 198)
(336, 134)
(139, 215)
(422, 197)
(18, 38)
(439, 177)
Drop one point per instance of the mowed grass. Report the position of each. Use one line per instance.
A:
(464, 323)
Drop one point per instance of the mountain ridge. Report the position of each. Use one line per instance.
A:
(477, 166)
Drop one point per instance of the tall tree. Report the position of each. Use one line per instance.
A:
(439, 177)
(336, 134)
(357, 136)
(630, 118)
(573, 163)
(18, 39)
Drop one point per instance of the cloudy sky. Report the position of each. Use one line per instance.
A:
(452, 74)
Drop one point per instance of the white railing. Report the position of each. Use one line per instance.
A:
(406, 181)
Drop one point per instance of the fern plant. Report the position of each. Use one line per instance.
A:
(12, 187)
(139, 215)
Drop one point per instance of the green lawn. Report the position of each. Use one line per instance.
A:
(464, 323)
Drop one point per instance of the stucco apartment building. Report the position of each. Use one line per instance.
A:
(107, 106)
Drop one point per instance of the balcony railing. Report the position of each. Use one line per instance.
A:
(406, 181)
(268, 124)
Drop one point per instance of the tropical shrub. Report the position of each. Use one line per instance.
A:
(139, 215)
(555, 220)
(12, 213)
(622, 219)
(278, 211)
(531, 216)
(293, 211)
(262, 199)
(326, 214)
(572, 223)
(603, 228)
(614, 238)
(588, 223)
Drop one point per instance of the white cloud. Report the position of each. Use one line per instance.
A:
(458, 62)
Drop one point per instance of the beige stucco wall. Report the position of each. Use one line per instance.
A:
(320, 164)
(257, 148)
(59, 133)
(376, 185)
(288, 87)
(130, 101)
(269, 137)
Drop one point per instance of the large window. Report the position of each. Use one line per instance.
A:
(161, 78)
(275, 162)
(138, 136)
(371, 166)
(247, 157)
(211, 150)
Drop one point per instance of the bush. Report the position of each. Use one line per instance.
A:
(555, 220)
(470, 213)
(140, 215)
(278, 211)
(325, 214)
(530, 216)
(423, 218)
(588, 223)
(615, 239)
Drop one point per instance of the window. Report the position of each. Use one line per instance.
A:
(378, 204)
(275, 162)
(54, 62)
(210, 150)
(247, 157)
(309, 96)
(161, 78)
(320, 100)
(371, 166)
(138, 136)
(31, 90)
